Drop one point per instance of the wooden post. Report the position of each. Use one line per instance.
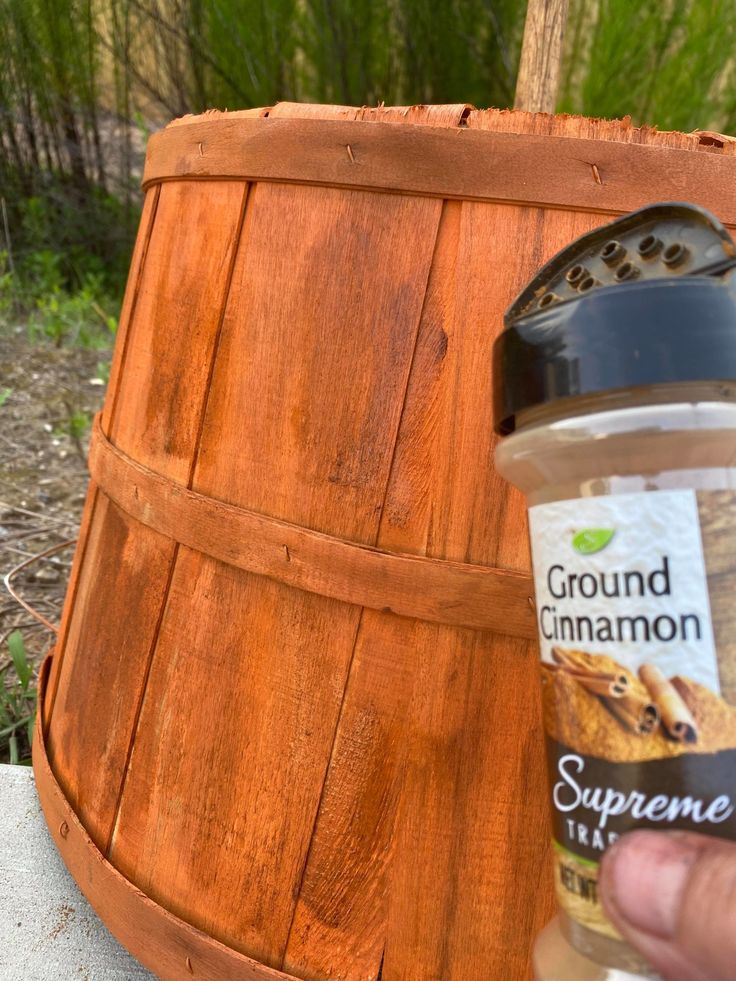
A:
(541, 55)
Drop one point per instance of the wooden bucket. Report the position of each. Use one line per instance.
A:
(291, 724)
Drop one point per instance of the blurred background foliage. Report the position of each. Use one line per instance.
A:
(84, 82)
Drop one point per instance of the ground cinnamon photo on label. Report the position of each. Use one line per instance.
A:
(641, 722)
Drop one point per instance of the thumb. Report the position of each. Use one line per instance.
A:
(673, 897)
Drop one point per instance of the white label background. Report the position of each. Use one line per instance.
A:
(647, 527)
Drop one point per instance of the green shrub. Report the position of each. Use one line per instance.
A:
(68, 272)
(88, 234)
(37, 295)
(73, 318)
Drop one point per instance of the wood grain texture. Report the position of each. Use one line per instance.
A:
(121, 590)
(458, 811)
(268, 668)
(456, 512)
(272, 442)
(409, 585)
(78, 563)
(339, 925)
(462, 510)
(439, 502)
(219, 113)
(130, 299)
(114, 620)
(340, 921)
(538, 79)
(140, 249)
(493, 120)
(155, 936)
(474, 809)
(469, 162)
(158, 403)
(444, 116)
(588, 128)
(314, 434)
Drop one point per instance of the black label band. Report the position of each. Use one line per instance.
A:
(595, 801)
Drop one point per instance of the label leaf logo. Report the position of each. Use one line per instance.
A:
(591, 540)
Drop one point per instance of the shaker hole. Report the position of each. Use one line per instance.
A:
(674, 254)
(626, 271)
(649, 246)
(612, 251)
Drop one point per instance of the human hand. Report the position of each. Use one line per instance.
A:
(672, 895)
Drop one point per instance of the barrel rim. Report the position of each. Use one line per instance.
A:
(602, 176)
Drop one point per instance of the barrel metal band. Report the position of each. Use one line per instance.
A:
(601, 176)
(409, 585)
(169, 946)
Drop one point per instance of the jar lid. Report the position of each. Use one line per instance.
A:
(645, 300)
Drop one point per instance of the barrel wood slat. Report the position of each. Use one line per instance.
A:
(157, 405)
(470, 807)
(130, 300)
(339, 925)
(427, 511)
(442, 116)
(268, 444)
(306, 780)
(161, 941)
(131, 294)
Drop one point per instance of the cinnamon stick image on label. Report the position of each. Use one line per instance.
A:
(604, 683)
(676, 718)
(632, 710)
(635, 713)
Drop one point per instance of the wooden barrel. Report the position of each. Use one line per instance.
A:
(291, 725)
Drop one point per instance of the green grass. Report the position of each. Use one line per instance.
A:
(17, 704)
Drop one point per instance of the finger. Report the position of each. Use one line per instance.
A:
(673, 897)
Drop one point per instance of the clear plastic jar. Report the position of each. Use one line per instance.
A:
(615, 390)
(674, 436)
(644, 440)
(556, 959)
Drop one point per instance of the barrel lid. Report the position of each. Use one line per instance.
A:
(649, 298)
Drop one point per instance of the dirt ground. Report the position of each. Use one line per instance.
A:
(43, 475)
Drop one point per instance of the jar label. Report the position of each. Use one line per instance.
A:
(637, 629)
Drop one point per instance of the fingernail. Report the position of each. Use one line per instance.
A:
(642, 880)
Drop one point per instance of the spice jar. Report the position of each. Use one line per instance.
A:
(615, 387)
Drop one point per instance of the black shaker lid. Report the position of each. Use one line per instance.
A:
(647, 299)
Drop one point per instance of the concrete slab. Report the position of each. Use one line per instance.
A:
(48, 930)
